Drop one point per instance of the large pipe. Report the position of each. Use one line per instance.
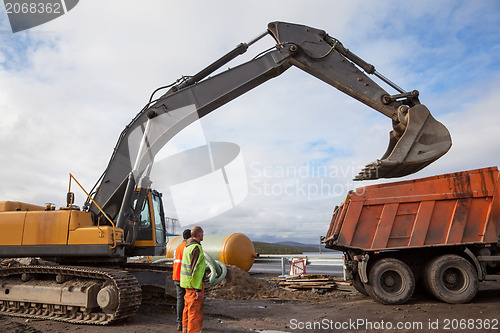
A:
(233, 249)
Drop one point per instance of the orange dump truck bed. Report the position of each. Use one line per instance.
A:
(451, 209)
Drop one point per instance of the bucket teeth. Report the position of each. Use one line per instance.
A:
(423, 141)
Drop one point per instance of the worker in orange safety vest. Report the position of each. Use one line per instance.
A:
(176, 276)
(192, 275)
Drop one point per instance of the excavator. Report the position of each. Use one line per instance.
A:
(84, 276)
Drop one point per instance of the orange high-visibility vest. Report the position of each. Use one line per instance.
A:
(179, 251)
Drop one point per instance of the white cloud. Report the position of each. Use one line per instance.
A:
(68, 88)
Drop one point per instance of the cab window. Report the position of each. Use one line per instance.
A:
(145, 230)
(160, 230)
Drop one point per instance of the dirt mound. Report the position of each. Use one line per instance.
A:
(241, 285)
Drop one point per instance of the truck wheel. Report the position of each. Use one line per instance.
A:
(391, 281)
(358, 285)
(451, 279)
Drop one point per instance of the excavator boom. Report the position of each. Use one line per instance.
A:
(93, 282)
(416, 140)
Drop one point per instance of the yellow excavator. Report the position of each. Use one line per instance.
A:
(85, 276)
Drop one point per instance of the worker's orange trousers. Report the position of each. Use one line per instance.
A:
(192, 317)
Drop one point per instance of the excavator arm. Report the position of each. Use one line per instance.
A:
(416, 140)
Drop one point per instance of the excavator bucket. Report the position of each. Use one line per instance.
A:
(416, 141)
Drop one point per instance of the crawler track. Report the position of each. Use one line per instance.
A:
(127, 288)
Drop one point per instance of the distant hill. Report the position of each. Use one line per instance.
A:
(285, 248)
(307, 247)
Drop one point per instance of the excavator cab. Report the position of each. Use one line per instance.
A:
(150, 227)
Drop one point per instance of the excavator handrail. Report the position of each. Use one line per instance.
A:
(100, 209)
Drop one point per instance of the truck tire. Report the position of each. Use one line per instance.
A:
(451, 279)
(358, 285)
(390, 281)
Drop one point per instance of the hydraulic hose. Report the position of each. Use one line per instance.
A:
(223, 274)
(218, 270)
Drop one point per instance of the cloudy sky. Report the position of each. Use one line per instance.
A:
(70, 86)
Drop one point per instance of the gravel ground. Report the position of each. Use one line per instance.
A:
(253, 303)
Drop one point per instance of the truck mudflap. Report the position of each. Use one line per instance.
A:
(363, 268)
(480, 271)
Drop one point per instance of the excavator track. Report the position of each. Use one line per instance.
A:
(121, 295)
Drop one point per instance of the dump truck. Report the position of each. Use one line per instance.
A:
(442, 231)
